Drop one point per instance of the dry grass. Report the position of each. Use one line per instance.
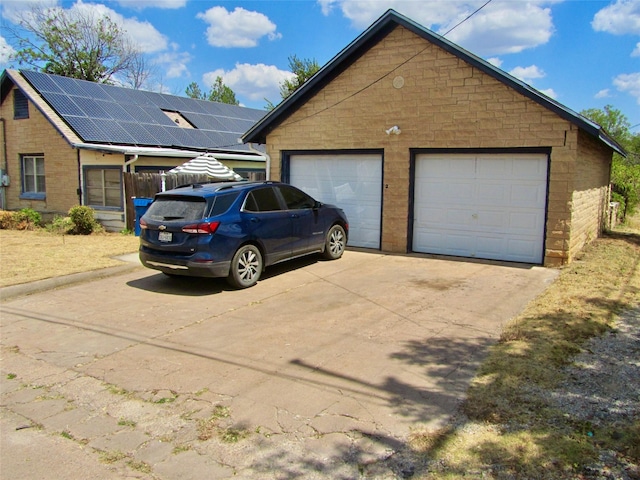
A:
(507, 431)
(26, 256)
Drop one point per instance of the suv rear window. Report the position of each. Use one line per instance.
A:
(166, 209)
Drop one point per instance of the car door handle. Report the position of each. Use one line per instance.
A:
(255, 220)
(295, 215)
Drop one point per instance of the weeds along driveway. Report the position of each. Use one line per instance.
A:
(320, 371)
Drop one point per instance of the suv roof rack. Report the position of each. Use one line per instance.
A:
(224, 185)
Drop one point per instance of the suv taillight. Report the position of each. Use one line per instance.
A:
(207, 227)
(143, 224)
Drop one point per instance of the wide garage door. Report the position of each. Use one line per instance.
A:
(483, 206)
(352, 182)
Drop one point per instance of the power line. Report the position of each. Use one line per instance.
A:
(357, 92)
(468, 17)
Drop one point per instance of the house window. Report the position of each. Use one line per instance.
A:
(33, 179)
(103, 187)
(20, 105)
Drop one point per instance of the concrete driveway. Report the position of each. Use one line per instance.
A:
(322, 370)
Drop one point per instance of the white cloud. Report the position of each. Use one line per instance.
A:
(143, 34)
(503, 26)
(629, 83)
(240, 28)
(636, 51)
(255, 82)
(6, 51)
(173, 64)
(528, 74)
(549, 92)
(604, 93)
(531, 73)
(327, 6)
(12, 11)
(619, 18)
(495, 61)
(142, 4)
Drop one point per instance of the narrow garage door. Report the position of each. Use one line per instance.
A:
(352, 182)
(483, 206)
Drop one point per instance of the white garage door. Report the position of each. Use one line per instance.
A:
(352, 182)
(484, 206)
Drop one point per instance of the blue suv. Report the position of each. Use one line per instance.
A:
(236, 229)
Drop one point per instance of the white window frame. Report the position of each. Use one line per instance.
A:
(104, 187)
(33, 178)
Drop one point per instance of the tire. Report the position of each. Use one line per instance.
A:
(246, 267)
(335, 243)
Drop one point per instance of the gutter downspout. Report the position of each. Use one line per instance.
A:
(267, 160)
(79, 190)
(127, 164)
(5, 165)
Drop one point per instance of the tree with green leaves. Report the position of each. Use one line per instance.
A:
(625, 172)
(303, 70)
(222, 93)
(193, 91)
(219, 92)
(75, 43)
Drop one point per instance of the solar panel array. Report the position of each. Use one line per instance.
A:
(100, 113)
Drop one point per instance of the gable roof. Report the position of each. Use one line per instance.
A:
(99, 114)
(374, 34)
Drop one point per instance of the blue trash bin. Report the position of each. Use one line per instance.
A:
(140, 204)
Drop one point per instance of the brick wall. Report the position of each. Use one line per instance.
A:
(443, 103)
(36, 135)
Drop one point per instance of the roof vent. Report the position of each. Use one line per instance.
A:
(178, 119)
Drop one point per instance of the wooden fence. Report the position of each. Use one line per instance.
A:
(146, 185)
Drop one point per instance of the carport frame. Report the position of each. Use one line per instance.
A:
(414, 152)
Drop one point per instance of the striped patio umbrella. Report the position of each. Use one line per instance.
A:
(207, 164)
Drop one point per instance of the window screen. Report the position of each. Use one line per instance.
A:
(33, 179)
(103, 187)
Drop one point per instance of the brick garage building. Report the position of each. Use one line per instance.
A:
(431, 149)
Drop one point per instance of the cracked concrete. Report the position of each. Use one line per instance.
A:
(322, 370)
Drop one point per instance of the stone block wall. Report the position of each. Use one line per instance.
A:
(591, 194)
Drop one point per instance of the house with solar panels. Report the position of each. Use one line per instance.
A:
(69, 142)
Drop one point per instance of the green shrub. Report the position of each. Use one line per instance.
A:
(28, 219)
(60, 225)
(84, 222)
(25, 219)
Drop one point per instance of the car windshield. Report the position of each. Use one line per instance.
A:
(167, 208)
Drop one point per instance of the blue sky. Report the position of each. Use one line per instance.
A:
(583, 53)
